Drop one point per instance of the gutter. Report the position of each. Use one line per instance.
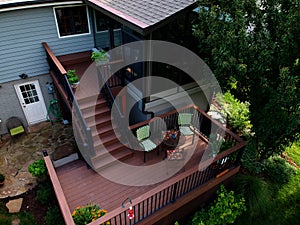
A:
(34, 4)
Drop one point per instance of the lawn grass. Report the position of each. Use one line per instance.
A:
(294, 152)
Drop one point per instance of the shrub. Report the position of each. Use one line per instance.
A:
(256, 192)
(225, 209)
(250, 159)
(237, 112)
(5, 221)
(38, 168)
(278, 170)
(86, 214)
(27, 219)
(45, 193)
(54, 217)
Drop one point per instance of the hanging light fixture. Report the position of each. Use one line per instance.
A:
(130, 213)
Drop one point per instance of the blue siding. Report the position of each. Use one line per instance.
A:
(22, 32)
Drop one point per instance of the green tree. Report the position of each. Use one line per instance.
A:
(253, 49)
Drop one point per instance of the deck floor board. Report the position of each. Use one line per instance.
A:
(82, 185)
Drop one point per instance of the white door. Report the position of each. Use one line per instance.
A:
(32, 101)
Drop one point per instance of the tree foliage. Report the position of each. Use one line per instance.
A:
(253, 49)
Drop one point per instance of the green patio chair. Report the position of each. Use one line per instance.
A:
(143, 134)
(184, 123)
(15, 127)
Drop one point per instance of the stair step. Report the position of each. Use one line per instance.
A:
(83, 99)
(103, 129)
(93, 113)
(102, 119)
(105, 159)
(106, 140)
(113, 147)
(100, 102)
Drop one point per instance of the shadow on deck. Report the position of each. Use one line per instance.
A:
(83, 185)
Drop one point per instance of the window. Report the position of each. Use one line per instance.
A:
(102, 22)
(72, 20)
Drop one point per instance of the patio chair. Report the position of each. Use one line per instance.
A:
(184, 123)
(15, 126)
(143, 134)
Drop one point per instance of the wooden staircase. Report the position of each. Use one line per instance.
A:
(106, 141)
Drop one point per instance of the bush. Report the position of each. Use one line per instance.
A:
(225, 209)
(5, 221)
(45, 193)
(256, 192)
(38, 168)
(238, 114)
(54, 217)
(27, 219)
(250, 159)
(278, 170)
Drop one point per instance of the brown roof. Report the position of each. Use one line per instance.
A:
(143, 15)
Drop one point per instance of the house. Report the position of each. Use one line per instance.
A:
(52, 37)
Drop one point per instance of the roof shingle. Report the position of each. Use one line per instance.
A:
(143, 13)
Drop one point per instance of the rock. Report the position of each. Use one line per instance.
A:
(15, 205)
(15, 222)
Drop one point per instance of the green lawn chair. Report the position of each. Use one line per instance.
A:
(143, 134)
(184, 123)
(15, 127)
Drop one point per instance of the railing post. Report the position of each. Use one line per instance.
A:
(174, 192)
(239, 156)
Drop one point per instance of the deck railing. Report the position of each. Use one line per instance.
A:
(65, 211)
(189, 180)
(82, 132)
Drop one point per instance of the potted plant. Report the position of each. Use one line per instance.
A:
(2, 179)
(72, 78)
(99, 57)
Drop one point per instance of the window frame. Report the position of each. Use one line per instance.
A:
(72, 35)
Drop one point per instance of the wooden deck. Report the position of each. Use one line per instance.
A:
(82, 185)
(79, 61)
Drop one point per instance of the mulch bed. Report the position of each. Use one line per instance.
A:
(33, 206)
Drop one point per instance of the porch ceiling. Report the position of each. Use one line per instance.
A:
(141, 15)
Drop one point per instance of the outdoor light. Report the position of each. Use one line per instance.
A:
(130, 210)
(23, 76)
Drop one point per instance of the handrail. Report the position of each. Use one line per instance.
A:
(59, 192)
(61, 82)
(54, 59)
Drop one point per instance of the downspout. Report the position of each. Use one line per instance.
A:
(147, 86)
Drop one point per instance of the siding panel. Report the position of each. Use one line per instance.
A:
(21, 50)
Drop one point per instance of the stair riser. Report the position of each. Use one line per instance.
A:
(93, 118)
(98, 165)
(92, 123)
(95, 109)
(105, 142)
(88, 99)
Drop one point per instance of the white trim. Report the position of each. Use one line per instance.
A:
(40, 5)
(72, 35)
